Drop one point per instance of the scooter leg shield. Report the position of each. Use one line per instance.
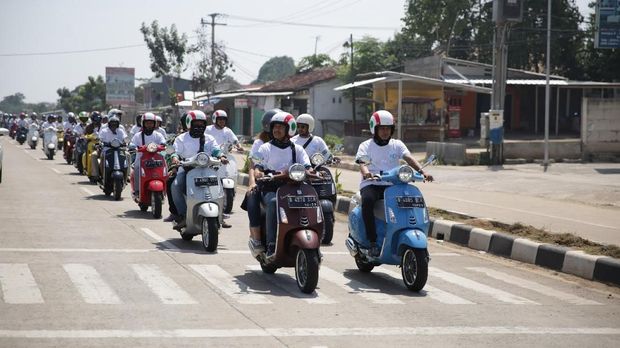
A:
(228, 183)
(156, 186)
(411, 238)
(117, 174)
(209, 210)
(306, 239)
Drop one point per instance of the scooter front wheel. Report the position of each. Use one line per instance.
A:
(328, 228)
(229, 198)
(210, 227)
(307, 270)
(156, 198)
(414, 268)
(118, 189)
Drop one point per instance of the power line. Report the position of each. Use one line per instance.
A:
(310, 25)
(69, 52)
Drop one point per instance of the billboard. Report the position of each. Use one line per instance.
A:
(607, 33)
(119, 84)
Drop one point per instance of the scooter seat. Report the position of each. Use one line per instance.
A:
(379, 210)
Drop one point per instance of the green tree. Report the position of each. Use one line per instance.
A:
(13, 103)
(314, 61)
(276, 68)
(89, 96)
(168, 50)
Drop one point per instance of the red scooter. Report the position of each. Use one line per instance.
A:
(153, 177)
(68, 146)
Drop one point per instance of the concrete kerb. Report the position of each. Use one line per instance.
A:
(591, 267)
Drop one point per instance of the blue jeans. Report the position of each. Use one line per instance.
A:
(269, 200)
(253, 206)
(178, 193)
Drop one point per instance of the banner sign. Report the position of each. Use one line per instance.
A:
(119, 84)
(607, 34)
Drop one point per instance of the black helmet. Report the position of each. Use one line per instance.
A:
(267, 118)
(95, 117)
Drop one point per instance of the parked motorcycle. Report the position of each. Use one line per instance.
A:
(114, 171)
(228, 174)
(33, 135)
(153, 176)
(299, 229)
(205, 199)
(69, 145)
(49, 142)
(326, 189)
(21, 135)
(402, 222)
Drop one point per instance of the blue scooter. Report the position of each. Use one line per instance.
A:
(402, 222)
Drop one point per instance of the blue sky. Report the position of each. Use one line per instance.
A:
(43, 26)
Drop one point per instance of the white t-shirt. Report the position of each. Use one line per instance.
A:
(383, 158)
(185, 146)
(79, 128)
(277, 159)
(222, 136)
(161, 131)
(106, 135)
(134, 130)
(317, 145)
(155, 137)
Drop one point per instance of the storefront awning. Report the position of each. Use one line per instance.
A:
(359, 83)
(391, 76)
(267, 94)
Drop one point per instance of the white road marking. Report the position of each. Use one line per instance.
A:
(229, 285)
(354, 286)
(90, 284)
(159, 239)
(89, 192)
(69, 250)
(529, 212)
(322, 332)
(290, 285)
(431, 291)
(165, 288)
(55, 170)
(479, 287)
(18, 284)
(530, 285)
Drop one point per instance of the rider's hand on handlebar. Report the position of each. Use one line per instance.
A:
(224, 160)
(428, 177)
(175, 160)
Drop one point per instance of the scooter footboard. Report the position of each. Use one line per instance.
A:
(306, 239)
(411, 238)
(209, 210)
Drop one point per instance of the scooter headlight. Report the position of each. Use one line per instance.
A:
(115, 143)
(202, 159)
(152, 147)
(405, 173)
(317, 159)
(297, 172)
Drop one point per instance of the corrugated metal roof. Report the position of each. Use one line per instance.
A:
(539, 83)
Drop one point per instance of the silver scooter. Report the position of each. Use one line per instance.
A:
(205, 200)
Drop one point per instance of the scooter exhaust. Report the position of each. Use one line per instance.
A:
(350, 243)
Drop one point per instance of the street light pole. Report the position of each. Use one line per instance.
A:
(547, 89)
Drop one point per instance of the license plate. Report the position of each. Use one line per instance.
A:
(208, 181)
(410, 202)
(153, 163)
(302, 202)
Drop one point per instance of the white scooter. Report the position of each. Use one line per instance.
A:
(205, 198)
(49, 142)
(33, 135)
(229, 173)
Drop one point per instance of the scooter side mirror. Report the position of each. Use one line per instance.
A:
(430, 160)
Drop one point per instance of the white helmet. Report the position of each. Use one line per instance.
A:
(194, 115)
(286, 119)
(149, 116)
(218, 113)
(381, 118)
(158, 119)
(306, 119)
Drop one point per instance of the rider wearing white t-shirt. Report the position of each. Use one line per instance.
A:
(222, 134)
(311, 143)
(144, 137)
(385, 153)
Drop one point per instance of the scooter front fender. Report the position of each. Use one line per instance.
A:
(306, 239)
(209, 210)
(412, 239)
(228, 183)
(156, 186)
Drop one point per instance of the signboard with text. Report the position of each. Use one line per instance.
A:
(607, 33)
(119, 84)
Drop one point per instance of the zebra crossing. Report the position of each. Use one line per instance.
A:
(248, 285)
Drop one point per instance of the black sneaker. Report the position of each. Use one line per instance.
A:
(374, 250)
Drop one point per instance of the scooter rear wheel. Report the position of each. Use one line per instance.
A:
(307, 270)
(328, 228)
(414, 268)
(118, 189)
(363, 266)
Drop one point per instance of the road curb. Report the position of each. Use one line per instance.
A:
(598, 268)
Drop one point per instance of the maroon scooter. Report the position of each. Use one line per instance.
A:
(299, 228)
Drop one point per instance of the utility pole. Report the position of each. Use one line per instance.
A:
(353, 89)
(547, 91)
(213, 24)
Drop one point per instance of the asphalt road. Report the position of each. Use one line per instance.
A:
(79, 269)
